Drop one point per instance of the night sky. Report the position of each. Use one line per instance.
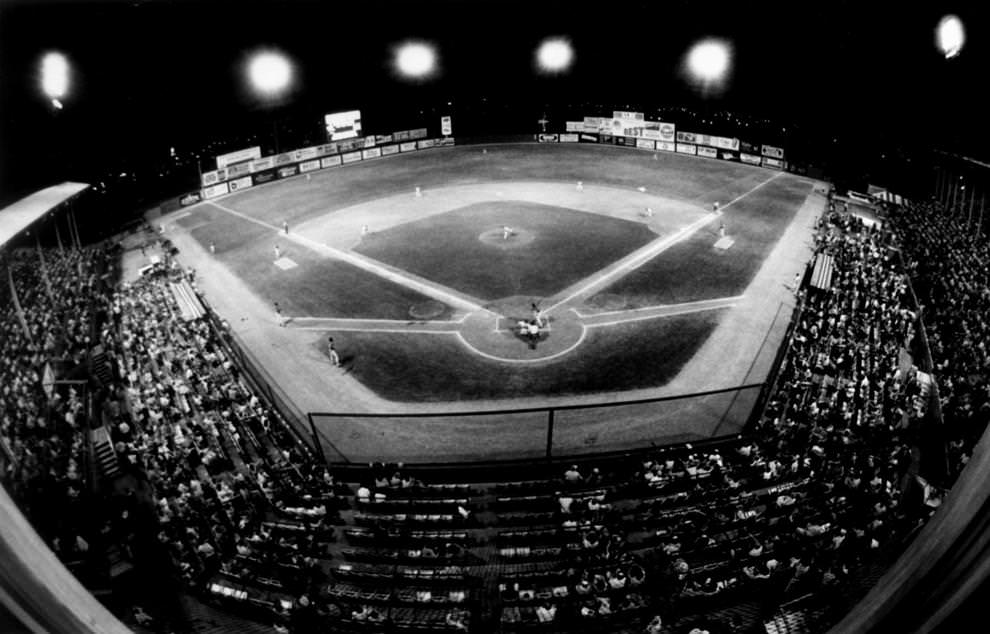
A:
(155, 74)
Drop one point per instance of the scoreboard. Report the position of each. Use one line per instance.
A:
(343, 125)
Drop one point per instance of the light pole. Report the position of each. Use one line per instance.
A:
(270, 75)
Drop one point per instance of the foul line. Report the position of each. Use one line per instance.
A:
(647, 253)
(686, 311)
(658, 307)
(362, 263)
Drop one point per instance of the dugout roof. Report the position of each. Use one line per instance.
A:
(22, 214)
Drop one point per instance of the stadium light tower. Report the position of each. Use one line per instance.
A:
(707, 64)
(415, 60)
(950, 36)
(55, 74)
(554, 56)
(270, 75)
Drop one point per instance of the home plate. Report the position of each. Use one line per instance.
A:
(285, 264)
(724, 243)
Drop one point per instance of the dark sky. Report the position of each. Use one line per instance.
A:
(155, 73)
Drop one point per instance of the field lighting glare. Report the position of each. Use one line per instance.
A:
(708, 61)
(950, 36)
(54, 76)
(270, 73)
(554, 55)
(415, 60)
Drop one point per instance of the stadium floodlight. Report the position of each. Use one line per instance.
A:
(55, 77)
(415, 60)
(269, 73)
(707, 64)
(554, 55)
(950, 36)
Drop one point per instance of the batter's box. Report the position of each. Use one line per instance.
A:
(285, 264)
(724, 243)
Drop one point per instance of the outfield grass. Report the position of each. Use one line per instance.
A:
(436, 368)
(566, 246)
(317, 287)
(695, 270)
(676, 176)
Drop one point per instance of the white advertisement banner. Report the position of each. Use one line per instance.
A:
(666, 146)
(686, 148)
(547, 138)
(309, 166)
(653, 135)
(208, 178)
(418, 133)
(330, 161)
(326, 148)
(351, 157)
(575, 126)
(569, 138)
(703, 139)
(381, 139)
(374, 153)
(239, 156)
(709, 152)
(266, 163)
(240, 183)
(425, 143)
(369, 142)
(447, 140)
(749, 158)
(727, 143)
(646, 144)
(445, 128)
(686, 137)
(305, 154)
(390, 149)
(407, 147)
(238, 170)
(729, 156)
(588, 137)
(773, 152)
(632, 116)
(774, 163)
(215, 190)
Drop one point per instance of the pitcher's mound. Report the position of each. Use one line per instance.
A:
(426, 310)
(517, 238)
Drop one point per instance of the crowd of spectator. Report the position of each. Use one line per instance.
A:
(242, 508)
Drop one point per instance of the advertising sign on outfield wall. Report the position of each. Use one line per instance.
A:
(309, 166)
(666, 146)
(622, 114)
(729, 156)
(283, 159)
(774, 163)
(418, 133)
(240, 183)
(625, 140)
(263, 177)
(646, 144)
(575, 126)
(215, 190)
(236, 171)
(401, 135)
(265, 163)
(606, 138)
(752, 159)
(407, 147)
(547, 138)
(568, 138)
(668, 132)
(726, 143)
(703, 139)
(326, 148)
(305, 154)
(369, 142)
(351, 157)
(445, 127)
(773, 152)
(749, 148)
(330, 161)
(653, 135)
(238, 157)
(285, 172)
(446, 141)
(208, 178)
(425, 144)
(591, 138)
(390, 149)
(687, 148)
(686, 137)
(382, 139)
(708, 152)
(596, 124)
(372, 153)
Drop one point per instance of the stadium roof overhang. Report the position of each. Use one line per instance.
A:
(22, 214)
